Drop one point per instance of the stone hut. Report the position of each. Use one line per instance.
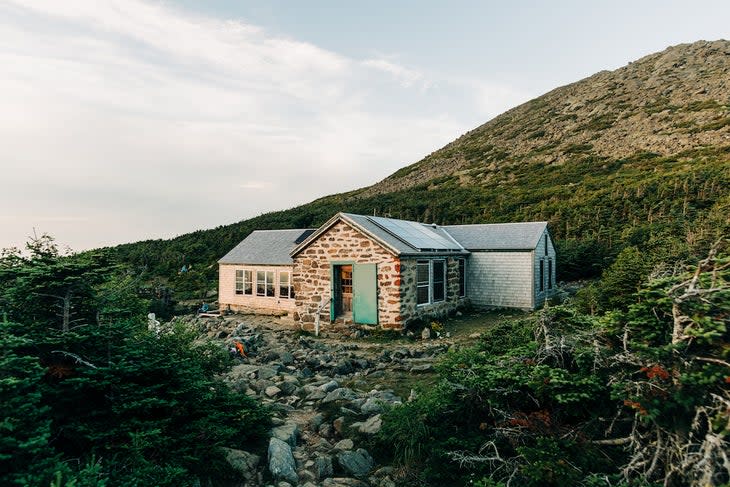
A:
(382, 271)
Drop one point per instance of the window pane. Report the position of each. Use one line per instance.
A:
(248, 282)
(239, 282)
(422, 295)
(542, 275)
(283, 284)
(270, 284)
(438, 267)
(260, 283)
(422, 272)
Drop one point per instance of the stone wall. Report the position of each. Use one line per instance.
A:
(343, 244)
(410, 310)
(228, 299)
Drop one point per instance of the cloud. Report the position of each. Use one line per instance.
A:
(406, 77)
(142, 117)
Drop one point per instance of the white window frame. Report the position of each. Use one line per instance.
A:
(289, 286)
(268, 280)
(239, 285)
(431, 281)
(443, 282)
(248, 273)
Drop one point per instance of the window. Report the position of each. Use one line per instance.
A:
(430, 281)
(243, 282)
(550, 273)
(422, 282)
(542, 275)
(462, 278)
(248, 282)
(239, 282)
(546, 245)
(438, 280)
(285, 286)
(270, 292)
(265, 283)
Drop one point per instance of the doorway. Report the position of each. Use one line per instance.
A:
(343, 291)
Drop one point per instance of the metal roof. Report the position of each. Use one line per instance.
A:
(407, 236)
(498, 236)
(266, 247)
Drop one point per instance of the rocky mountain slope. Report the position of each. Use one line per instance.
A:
(664, 103)
(636, 156)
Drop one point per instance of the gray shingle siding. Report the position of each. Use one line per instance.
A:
(500, 279)
(538, 255)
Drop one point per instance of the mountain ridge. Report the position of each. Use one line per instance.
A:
(635, 156)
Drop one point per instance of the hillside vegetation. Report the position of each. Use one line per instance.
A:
(637, 156)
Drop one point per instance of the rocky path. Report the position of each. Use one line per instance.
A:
(327, 396)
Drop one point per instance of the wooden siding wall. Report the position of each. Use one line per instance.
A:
(500, 279)
(240, 302)
(539, 254)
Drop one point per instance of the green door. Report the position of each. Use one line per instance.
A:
(365, 294)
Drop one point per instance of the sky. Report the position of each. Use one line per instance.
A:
(126, 120)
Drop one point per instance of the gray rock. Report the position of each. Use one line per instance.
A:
(343, 368)
(372, 406)
(426, 333)
(316, 420)
(357, 463)
(281, 461)
(323, 467)
(288, 388)
(288, 432)
(272, 391)
(243, 462)
(371, 426)
(422, 369)
(268, 371)
(343, 393)
(329, 386)
(286, 358)
(326, 430)
(343, 482)
(316, 395)
(346, 444)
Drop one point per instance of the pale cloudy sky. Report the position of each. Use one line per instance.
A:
(123, 120)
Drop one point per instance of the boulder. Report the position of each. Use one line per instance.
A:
(272, 391)
(323, 467)
(357, 463)
(288, 433)
(243, 462)
(268, 371)
(286, 358)
(421, 369)
(281, 461)
(329, 386)
(343, 393)
(346, 444)
(371, 426)
(343, 482)
(373, 405)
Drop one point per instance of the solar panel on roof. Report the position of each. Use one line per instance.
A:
(415, 234)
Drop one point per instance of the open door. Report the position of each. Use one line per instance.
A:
(365, 294)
